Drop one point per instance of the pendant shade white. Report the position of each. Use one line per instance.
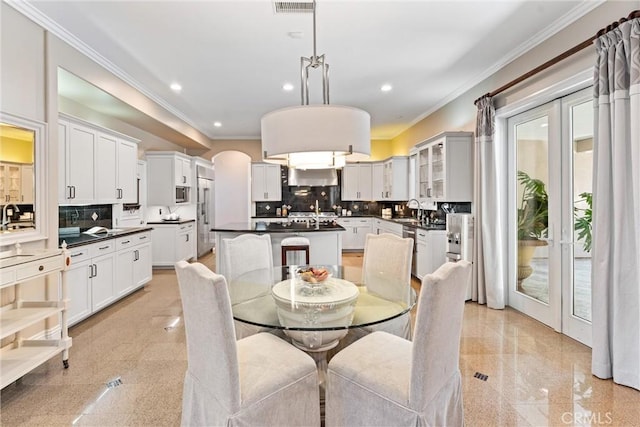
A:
(316, 136)
(307, 134)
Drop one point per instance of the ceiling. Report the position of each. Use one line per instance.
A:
(232, 57)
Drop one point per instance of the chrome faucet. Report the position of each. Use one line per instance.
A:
(5, 221)
(419, 216)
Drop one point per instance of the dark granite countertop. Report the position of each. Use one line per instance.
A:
(410, 222)
(81, 239)
(170, 221)
(286, 227)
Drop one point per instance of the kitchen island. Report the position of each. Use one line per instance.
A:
(325, 239)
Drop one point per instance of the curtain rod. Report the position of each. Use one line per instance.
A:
(577, 48)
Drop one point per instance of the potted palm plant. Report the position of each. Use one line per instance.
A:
(533, 221)
(582, 223)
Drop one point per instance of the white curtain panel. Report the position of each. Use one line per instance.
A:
(616, 207)
(488, 253)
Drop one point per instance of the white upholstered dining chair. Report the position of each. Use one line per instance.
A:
(386, 271)
(385, 380)
(256, 381)
(242, 254)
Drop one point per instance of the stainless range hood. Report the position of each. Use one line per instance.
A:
(312, 177)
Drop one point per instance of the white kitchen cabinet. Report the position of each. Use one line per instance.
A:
(412, 174)
(106, 168)
(76, 156)
(395, 178)
(167, 170)
(383, 226)
(356, 182)
(172, 243)
(356, 232)
(430, 251)
(92, 275)
(133, 262)
(377, 181)
(26, 184)
(127, 171)
(99, 165)
(102, 272)
(26, 353)
(266, 182)
(445, 169)
(182, 171)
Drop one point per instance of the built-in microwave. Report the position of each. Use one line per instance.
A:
(182, 194)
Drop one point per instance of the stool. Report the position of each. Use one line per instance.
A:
(292, 244)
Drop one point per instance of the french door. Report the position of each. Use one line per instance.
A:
(550, 158)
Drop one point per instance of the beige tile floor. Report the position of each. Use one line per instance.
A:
(536, 377)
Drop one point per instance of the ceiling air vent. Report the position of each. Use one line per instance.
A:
(293, 6)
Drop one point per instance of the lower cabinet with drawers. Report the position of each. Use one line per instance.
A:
(173, 242)
(355, 236)
(102, 272)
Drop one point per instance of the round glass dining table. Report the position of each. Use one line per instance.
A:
(316, 316)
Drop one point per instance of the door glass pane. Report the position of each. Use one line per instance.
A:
(532, 148)
(582, 134)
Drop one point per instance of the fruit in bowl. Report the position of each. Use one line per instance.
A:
(314, 274)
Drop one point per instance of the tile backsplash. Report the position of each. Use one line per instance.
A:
(85, 217)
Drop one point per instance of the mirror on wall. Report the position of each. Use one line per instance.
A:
(21, 144)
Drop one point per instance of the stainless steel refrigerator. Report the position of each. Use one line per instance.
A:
(205, 203)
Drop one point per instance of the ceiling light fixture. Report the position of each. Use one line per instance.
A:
(386, 87)
(287, 87)
(316, 136)
(217, 124)
(176, 87)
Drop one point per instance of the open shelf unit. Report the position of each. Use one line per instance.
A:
(27, 353)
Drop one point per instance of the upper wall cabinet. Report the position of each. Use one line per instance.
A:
(394, 179)
(356, 182)
(99, 165)
(169, 176)
(445, 169)
(266, 182)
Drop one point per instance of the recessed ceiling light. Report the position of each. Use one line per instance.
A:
(544, 125)
(386, 87)
(176, 87)
(217, 124)
(287, 87)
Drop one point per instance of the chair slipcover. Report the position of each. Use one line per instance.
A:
(386, 271)
(241, 255)
(384, 380)
(260, 380)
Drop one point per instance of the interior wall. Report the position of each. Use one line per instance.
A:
(232, 187)
(460, 113)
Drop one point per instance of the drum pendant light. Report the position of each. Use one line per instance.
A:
(316, 136)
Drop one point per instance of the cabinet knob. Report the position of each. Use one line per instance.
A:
(40, 268)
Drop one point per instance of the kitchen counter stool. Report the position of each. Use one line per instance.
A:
(295, 244)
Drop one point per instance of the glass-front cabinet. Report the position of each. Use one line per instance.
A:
(445, 169)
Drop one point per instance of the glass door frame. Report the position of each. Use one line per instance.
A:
(572, 325)
(549, 314)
